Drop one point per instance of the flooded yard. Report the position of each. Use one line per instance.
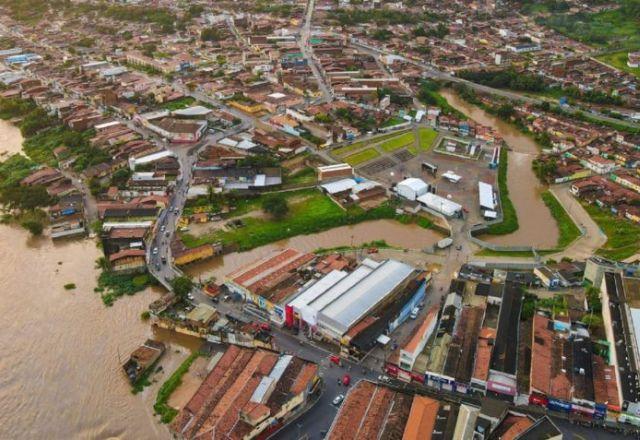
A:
(537, 226)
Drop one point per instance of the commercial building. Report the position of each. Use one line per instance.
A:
(270, 280)
(356, 309)
(248, 394)
(504, 357)
(336, 171)
(373, 411)
(620, 304)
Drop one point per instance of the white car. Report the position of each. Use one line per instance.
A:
(338, 399)
(155, 251)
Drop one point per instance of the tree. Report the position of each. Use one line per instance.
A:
(210, 34)
(181, 286)
(33, 226)
(276, 206)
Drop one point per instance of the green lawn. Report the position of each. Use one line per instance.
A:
(614, 28)
(622, 234)
(178, 104)
(567, 228)
(342, 151)
(426, 138)
(398, 142)
(362, 156)
(619, 61)
(303, 177)
(313, 213)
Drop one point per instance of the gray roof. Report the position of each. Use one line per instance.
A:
(359, 299)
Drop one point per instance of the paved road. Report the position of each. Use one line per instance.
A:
(305, 48)
(434, 73)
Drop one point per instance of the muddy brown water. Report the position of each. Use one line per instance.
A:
(10, 139)
(537, 226)
(393, 232)
(60, 375)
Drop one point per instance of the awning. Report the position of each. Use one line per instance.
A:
(383, 339)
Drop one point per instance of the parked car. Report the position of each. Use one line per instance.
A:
(338, 399)
(155, 251)
(383, 378)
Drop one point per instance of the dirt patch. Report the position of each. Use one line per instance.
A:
(190, 383)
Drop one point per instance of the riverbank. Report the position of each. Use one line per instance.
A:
(536, 226)
(394, 233)
(310, 211)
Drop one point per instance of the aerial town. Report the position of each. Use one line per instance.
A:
(320, 219)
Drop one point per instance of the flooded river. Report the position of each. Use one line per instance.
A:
(10, 139)
(537, 226)
(394, 233)
(60, 374)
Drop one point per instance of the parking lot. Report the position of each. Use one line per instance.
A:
(394, 167)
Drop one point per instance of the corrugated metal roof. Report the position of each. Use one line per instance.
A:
(339, 186)
(353, 304)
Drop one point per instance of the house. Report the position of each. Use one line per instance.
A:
(128, 260)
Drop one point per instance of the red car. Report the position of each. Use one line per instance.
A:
(335, 359)
(346, 380)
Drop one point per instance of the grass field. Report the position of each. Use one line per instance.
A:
(613, 28)
(362, 156)
(178, 104)
(622, 234)
(567, 229)
(398, 142)
(312, 213)
(426, 138)
(619, 61)
(343, 151)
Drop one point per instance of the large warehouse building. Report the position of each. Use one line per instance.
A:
(373, 299)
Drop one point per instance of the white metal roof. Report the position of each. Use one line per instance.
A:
(451, 176)
(300, 303)
(439, 204)
(350, 307)
(337, 166)
(414, 183)
(635, 321)
(365, 268)
(487, 200)
(339, 186)
(153, 157)
(245, 145)
(196, 110)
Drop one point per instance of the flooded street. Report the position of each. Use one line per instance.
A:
(537, 226)
(60, 374)
(393, 232)
(10, 139)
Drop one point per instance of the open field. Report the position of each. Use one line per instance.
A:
(342, 151)
(309, 212)
(362, 156)
(567, 228)
(613, 28)
(619, 61)
(398, 142)
(622, 235)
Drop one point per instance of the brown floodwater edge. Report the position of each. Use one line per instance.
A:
(537, 226)
(393, 232)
